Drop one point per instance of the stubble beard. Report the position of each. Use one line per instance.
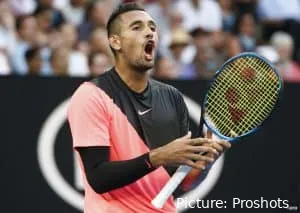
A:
(142, 66)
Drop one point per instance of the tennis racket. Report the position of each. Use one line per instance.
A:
(242, 95)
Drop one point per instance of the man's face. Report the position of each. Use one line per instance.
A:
(44, 20)
(101, 12)
(99, 64)
(28, 29)
(59, 61)
(69, 34)
(138, 40)
(98, 41)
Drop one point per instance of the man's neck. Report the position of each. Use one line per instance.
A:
(135, 80)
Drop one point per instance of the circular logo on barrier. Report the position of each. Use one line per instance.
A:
(67, 192)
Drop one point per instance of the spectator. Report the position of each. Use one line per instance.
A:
(161, 13)
(43, 17)
(77, 61)
(284, 45)
(205, 14)
(176, 19)
(60, 4)
(22, 7)
(7, 37)
(34, 61)
(269, 52)
(98, 63)
(56, 15)
(246, 32)
(99, 43)
(278, 15)
(74, 30)
(200, 11)
(278, 10)
(5, 68)
(165, 69)
(26, 28)
(74, 12)
(203, 65)
(97, 15)
(233, 47)
(59, 61)
(179, 40)
(69, 34)
(228, 15)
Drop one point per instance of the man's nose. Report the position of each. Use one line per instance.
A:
(149, 34)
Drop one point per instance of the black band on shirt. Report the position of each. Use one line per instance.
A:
(104, 175)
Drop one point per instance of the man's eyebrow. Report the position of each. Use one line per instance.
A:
(135, 22)
(152, 23)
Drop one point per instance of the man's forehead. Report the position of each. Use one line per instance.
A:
(132, 16)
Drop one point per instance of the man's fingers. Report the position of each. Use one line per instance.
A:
(217, 146)
(199, 141)
(205, 148)
(194, 165)
(208, 134)
(220, 146)
(198, 157)
(225, 144)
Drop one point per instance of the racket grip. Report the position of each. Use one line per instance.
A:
(170, 186)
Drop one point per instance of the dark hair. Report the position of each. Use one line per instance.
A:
(91, 5)
(32, 53)
(40, 10)
(20, 20)
(123, 8)
(239, 20)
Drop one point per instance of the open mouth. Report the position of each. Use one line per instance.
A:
(149, 50)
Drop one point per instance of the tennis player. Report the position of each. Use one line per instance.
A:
(131, 131)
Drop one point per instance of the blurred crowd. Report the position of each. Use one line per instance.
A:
(68, 37)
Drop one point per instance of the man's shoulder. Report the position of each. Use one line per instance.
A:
(85, 92)
(93, 89)
(101, 78)
(164, 87)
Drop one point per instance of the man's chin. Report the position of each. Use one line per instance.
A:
(144, 67)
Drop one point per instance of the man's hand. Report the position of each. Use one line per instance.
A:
(185, 151)
(220, 146)
(194, 174)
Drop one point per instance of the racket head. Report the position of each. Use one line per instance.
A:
(253, 73)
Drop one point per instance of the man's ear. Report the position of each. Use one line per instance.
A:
(114, 42)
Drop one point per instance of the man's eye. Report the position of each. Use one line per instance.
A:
(136, 28)
(153, 29)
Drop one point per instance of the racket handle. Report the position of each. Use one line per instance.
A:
(170, 186)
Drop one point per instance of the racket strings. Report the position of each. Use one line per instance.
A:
(269, 93)
(256, 65)
(243, 104)
(253, 98)
(243, 66)
(221, 118)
